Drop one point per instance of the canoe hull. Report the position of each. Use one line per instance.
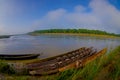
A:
(84, 61)
(19, 57)
(38, 68)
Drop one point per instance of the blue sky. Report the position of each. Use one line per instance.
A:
(21, 16)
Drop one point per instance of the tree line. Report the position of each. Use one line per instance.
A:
(76, 31)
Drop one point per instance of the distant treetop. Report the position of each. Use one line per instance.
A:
(76, 31)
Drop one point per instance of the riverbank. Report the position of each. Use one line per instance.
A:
(75, 31)
(106, 67)
(76, 34)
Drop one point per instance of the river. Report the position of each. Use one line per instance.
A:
(51, 45)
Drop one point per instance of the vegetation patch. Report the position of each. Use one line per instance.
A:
(98, 32)
(6, 68)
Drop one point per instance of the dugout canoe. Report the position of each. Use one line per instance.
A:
(18, 56)
(4, 36)
(74, 59)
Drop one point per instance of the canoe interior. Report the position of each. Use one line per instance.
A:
(64, 61)
(51, 58)
(82, 62)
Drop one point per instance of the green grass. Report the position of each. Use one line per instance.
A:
(6, 68)
(106, 67)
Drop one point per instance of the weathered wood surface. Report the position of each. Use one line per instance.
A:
(73, 59)
(82, 62)
(18, 56)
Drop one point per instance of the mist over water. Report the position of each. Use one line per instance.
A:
(51, 45)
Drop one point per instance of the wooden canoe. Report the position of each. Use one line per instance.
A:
(4, 36)
(73, 59)
(84, 61)
(18, 56)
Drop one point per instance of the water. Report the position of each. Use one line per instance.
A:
(51, 45)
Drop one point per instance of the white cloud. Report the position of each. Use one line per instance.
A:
(51, 19)
(8, 10)
(102, 16)
(80, 8)
(107, 13)
(55, 15)
(4, 14)
(1, 29)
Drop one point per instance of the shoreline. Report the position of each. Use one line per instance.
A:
(76, 34)
(104, 65)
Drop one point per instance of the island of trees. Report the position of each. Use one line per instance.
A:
(87, 31)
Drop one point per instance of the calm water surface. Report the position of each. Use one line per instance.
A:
(51, 45)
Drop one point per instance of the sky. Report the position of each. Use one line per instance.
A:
(22, 16)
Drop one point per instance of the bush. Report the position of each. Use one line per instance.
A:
(6, 68)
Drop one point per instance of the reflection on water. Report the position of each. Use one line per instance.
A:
(51, 45)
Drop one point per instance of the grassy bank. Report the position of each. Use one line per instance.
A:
(106, 67)
(77, 34)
